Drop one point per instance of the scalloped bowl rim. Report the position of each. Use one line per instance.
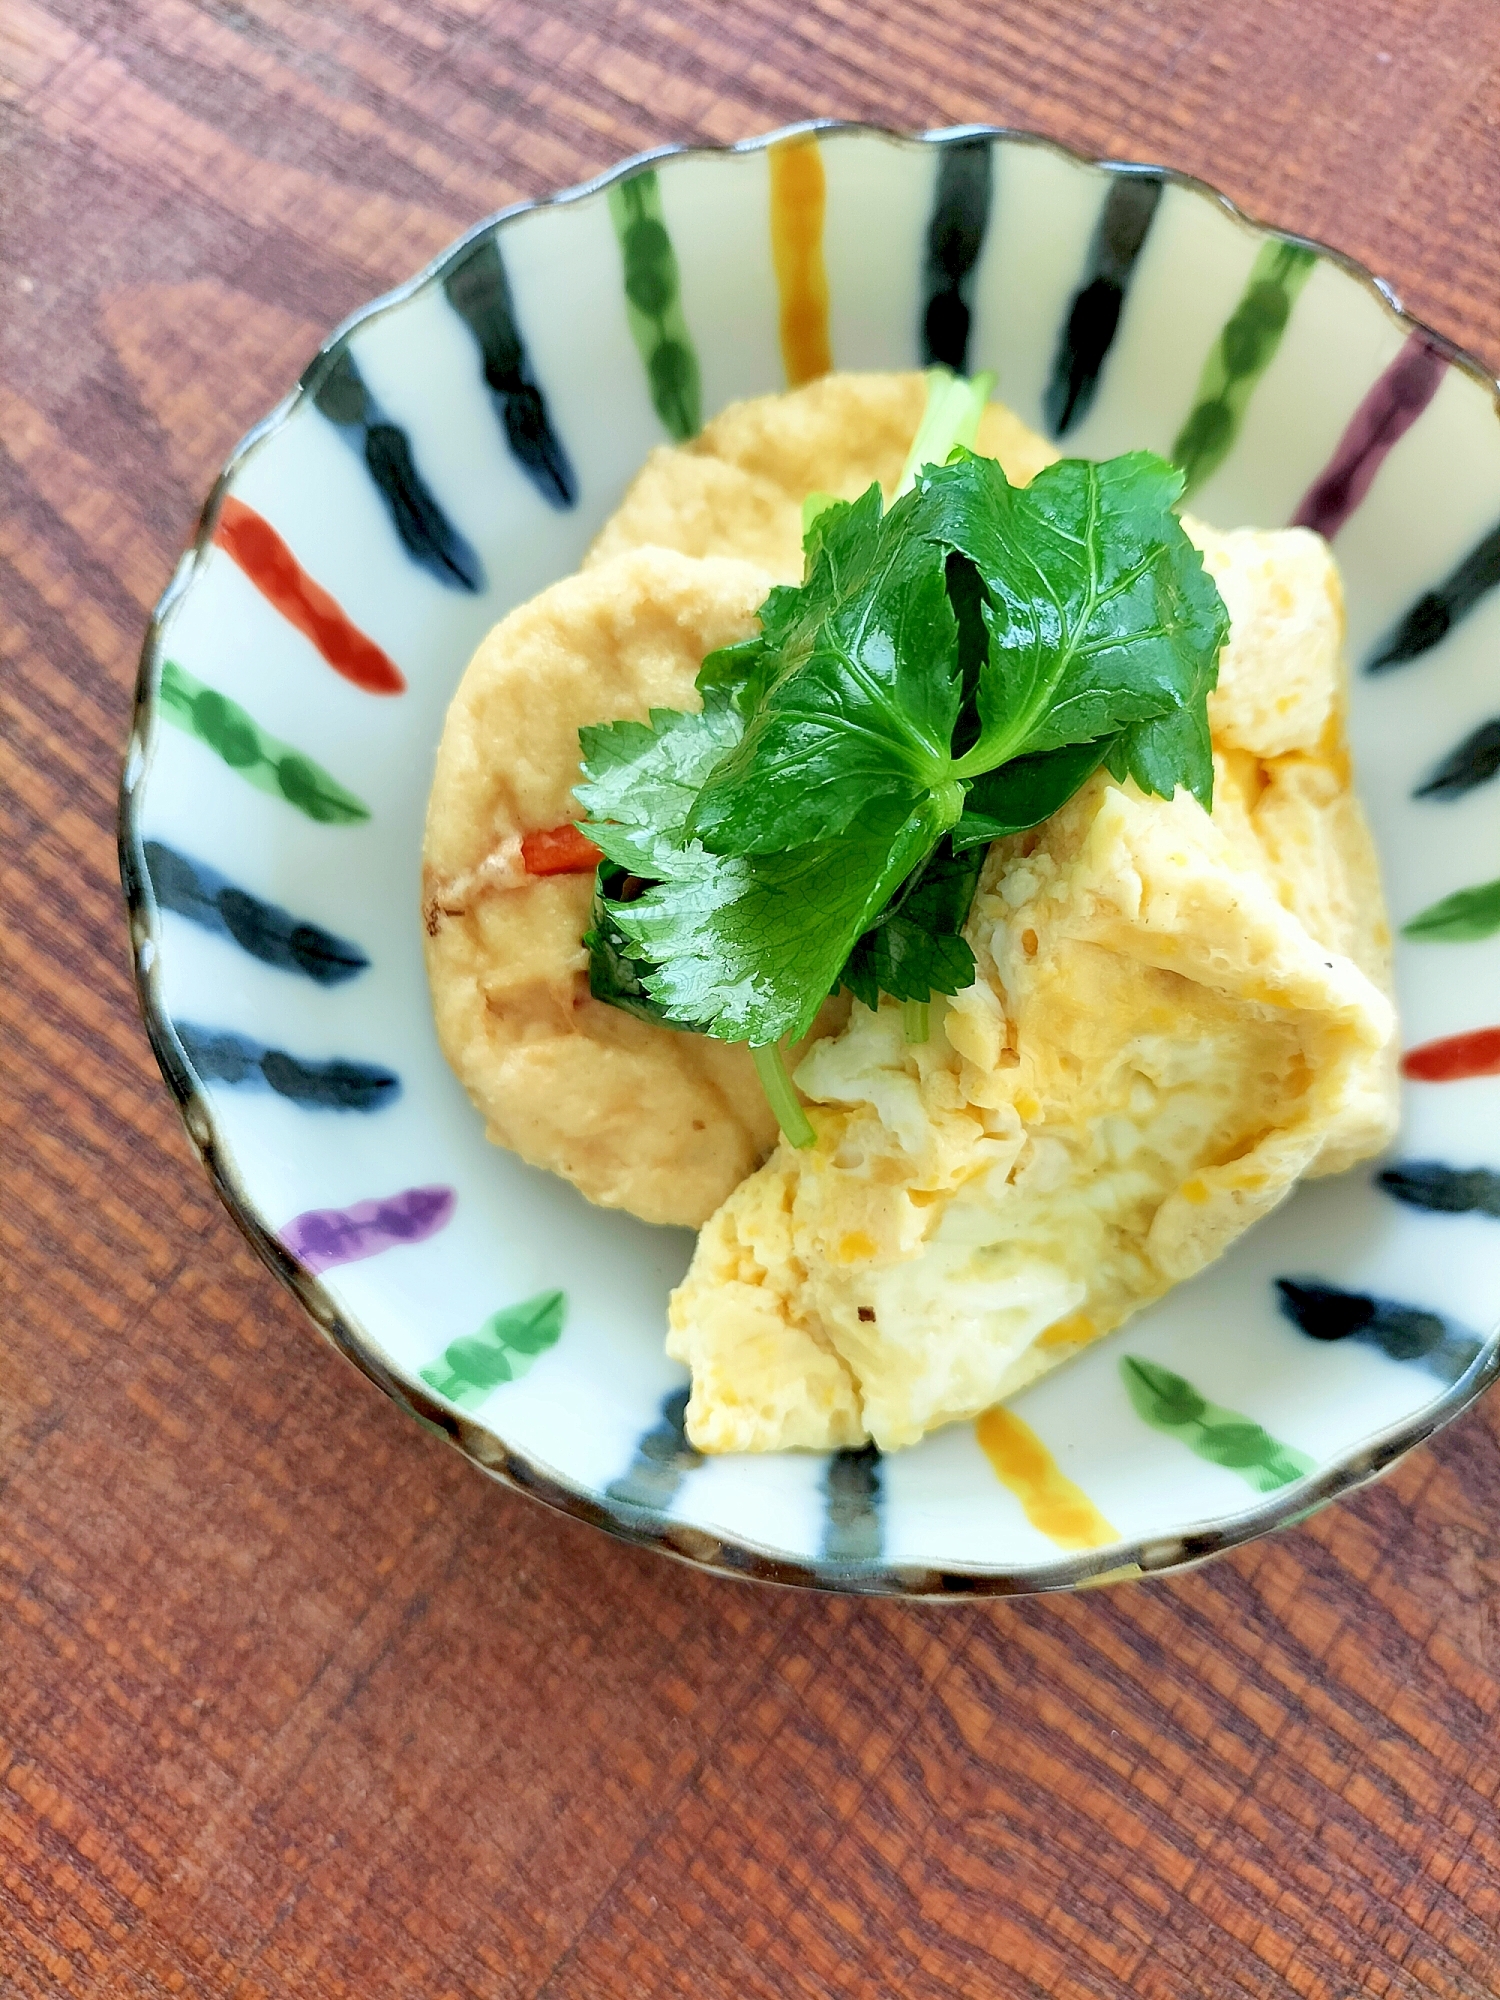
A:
(702, 1549)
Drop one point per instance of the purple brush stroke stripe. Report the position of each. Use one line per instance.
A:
(324, 1237)
(1387, 413)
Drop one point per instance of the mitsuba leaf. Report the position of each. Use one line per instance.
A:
(1098, 608)
(948, 673)
(966, 595)
(1023, 793)
(737, 674)
(915, 949)
(742, 673)
(865, 697)
(822, 514)
(908, 963)
(938, 895)
(1169, 750)
(614, 976)
(641, 777)
(747, 947)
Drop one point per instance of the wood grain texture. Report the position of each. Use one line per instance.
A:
(294, 1702)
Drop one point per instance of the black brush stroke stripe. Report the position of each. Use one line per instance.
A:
(264, 930)
(853, 1527)
(221, 1056)
(1434, 615)
(662, 1459)
(479, 292)
(1443, 1190)
(1400, 1332)
(955, 237)
(428, 536)
(1094, 316)
(1474, 762)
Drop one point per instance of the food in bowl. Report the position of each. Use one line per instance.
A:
(1105, 997)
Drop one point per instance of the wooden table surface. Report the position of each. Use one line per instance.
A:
(294, 1701)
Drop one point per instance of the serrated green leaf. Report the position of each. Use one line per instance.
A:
(915, 949)
(865, 700)
(641, 778)
(747, 947)
(938, 895)
(1099, 611)
(1168, 751)
(614, 973)
(977, 636)
(1023, 793)
(737, 674)
(907, 962)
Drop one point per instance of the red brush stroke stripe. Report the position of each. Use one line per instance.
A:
(1455, 1057)
(1387, 413)
(560, 850)
(248, 539)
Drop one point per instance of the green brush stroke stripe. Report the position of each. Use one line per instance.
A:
(1170, 1404)
(245, 747)
(502, 1350)
(1239, 357)
(1462, 918)
(653, 304)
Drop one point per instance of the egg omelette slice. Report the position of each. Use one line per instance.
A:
(1175, 1018)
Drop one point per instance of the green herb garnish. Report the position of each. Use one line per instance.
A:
(950, 671)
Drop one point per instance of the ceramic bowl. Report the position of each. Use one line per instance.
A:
(453, 449)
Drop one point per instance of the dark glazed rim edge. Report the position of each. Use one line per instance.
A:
(701, 1548)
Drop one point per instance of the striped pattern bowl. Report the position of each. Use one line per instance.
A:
(451, 450)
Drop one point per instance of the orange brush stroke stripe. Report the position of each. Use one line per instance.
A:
(798, 199)
(559, 850)
(1049, 1499)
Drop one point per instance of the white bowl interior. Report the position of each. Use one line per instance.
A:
(579, 1412)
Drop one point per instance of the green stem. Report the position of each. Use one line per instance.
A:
(954, 407)
(915, 1022)
(989, 753)
(980, 388)
(781, 1095)
(814, 505)
(948, 802)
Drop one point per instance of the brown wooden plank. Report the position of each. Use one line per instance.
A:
(294, 1702)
